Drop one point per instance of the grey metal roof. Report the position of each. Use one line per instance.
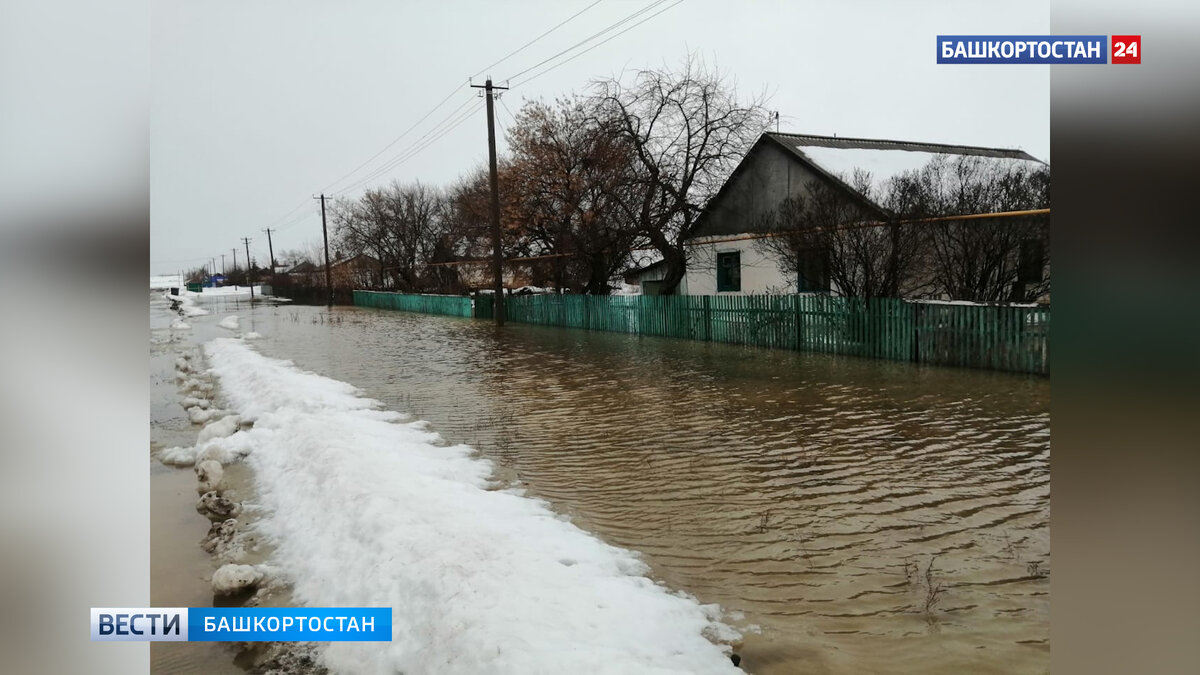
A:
(801, 140)
(816, 159)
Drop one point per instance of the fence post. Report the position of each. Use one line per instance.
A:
(707, 318)
(799, 326)
(918, 316)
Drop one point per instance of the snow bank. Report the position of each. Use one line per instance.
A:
(177, 456)
(187, 303)
(232, 579)
(230, 322)
(367, 510)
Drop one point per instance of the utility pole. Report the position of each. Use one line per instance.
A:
(222, 264)
(271, 252)
(325, 234)
(249, 281)
(497, 254)
(234, 258)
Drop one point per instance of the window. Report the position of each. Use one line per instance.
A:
(729, 272)
(813, 269)
(1033, 262)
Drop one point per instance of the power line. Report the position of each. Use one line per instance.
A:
(298, 219)
(396, 159)
(397, 139)
(505, 105)
(522, 47)
(584, 41)
(415, 149)
(451, 94)
(612, 37)
(288, 214)
(450, 122)
(180, 260)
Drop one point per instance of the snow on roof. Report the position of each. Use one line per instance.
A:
(885, 159)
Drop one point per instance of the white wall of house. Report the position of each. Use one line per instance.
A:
(760, 271)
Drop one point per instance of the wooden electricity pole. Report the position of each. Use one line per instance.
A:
(325, 234)
(249, 281)
(271, 252)
(497, 253)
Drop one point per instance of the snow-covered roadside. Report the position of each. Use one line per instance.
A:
(365, 509)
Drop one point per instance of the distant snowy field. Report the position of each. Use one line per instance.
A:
(366, 509)
(165, 281)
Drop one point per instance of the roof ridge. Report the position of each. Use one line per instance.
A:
(894, 142)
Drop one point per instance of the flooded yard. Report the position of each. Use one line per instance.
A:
(857, 515)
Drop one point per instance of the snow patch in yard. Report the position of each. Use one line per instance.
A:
(230, 322)
(365, 510)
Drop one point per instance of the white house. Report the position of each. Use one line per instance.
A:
(724, 256)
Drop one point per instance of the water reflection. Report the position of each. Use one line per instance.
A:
(867, 515)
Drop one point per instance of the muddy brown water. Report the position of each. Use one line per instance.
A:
(179, 568)
(858, 515)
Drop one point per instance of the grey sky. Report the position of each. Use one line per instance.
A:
(260, 104)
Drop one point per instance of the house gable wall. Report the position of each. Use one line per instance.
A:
(769, 175)
(766, 177)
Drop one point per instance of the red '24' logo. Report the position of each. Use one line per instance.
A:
(1127, 49)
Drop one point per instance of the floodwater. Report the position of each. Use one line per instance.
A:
(179, 568)
(859, 515)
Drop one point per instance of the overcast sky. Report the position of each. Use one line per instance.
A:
(258, 104)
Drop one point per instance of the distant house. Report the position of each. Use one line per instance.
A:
(647, 278)
(357, 271)
(723, 256)
(305, 274)
(479, 275)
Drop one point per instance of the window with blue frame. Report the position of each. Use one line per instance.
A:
(729, 272)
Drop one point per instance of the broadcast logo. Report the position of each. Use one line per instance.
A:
(241, 624)
(1038, 49)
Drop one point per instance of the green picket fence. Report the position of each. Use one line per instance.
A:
(996, 337)
(449, 305)
(878, 328)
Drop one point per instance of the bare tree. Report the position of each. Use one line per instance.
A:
(199, 273)
(468, 225)
(400, 225)
(900, 240)
(686, 130)
(565, 170)
(989, 259)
